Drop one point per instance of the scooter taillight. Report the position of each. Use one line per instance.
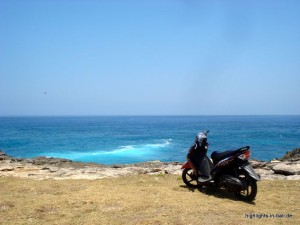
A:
(245, 156)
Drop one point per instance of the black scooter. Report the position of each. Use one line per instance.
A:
(229, 170)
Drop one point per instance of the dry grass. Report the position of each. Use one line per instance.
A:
(140, 199)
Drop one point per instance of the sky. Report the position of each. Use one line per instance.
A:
(150, 57)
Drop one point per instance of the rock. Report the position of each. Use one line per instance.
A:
(31, 174)
(117, 166)
(294, 177)
(6, 168)
(292, 156)
(150, 164)
(258, 164)
(287, 168)
(50, 169)
(264, 172)
(275, 161)
(42, 160)
(3, 156)
(155, 170)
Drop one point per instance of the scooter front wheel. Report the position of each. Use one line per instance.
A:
(189, 178)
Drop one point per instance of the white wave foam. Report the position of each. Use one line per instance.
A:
(122, 151)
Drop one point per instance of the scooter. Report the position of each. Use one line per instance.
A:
(228, 170)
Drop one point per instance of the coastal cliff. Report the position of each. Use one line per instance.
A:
(286, 168)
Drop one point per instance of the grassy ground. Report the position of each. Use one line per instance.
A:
(141, 199)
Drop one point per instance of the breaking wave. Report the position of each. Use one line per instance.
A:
(136, 153)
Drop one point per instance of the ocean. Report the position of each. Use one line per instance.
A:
(132, 139)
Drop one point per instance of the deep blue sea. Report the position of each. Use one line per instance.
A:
(130, 139)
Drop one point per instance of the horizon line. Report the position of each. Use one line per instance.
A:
(144, 115)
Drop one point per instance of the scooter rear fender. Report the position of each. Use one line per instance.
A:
(249, 169)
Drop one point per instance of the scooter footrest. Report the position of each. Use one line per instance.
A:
(204, 179)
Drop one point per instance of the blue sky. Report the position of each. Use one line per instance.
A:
(158, 57)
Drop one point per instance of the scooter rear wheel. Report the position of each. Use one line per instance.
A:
(189, 178)
(249, 193)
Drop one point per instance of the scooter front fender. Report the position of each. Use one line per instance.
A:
(187, 165)
(250, 171)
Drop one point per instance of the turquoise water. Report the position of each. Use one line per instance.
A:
(129, 139)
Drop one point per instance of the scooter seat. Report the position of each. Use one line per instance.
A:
(218, 156)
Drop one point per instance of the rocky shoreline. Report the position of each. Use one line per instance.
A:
(286, 168)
